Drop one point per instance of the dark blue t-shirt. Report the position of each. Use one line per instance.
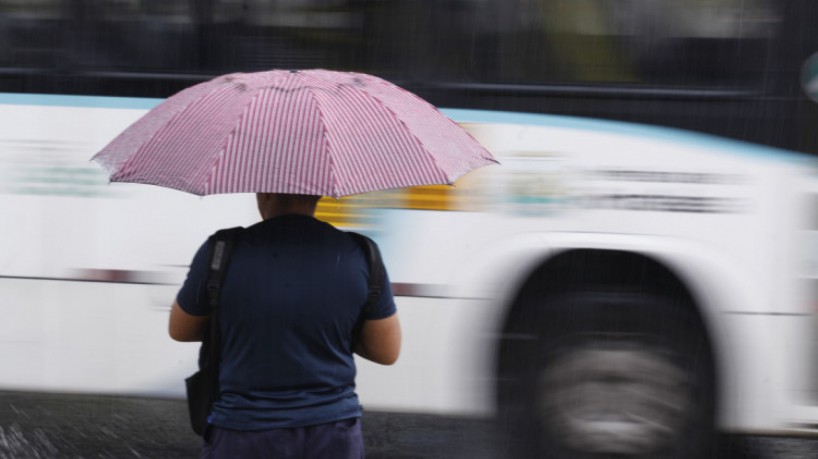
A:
(293, 291)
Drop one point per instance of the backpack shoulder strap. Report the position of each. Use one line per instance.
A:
(222, 243)
(377, 271)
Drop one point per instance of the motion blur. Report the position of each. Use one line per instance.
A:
(636, 277)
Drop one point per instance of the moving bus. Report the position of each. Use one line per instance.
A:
(610, 288)
(620, 285)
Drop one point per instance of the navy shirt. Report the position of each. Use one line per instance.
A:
(293, 291)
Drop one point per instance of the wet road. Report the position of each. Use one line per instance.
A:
(82, 426)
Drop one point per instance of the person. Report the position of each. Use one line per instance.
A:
(292, 294)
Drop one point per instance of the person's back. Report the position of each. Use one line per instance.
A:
(293, 293)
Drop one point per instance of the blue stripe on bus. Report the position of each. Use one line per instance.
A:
(678, 136)
(469, 116)
(53, 100)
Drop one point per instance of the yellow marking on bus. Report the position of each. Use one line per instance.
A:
(341, 212)
(430, 197)
(350, 211)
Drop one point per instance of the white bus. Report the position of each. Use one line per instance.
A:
(610, 288)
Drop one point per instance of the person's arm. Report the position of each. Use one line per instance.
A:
(191, 323)
(380, 340)
(186, 327)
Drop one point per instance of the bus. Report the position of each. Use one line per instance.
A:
(636, 277)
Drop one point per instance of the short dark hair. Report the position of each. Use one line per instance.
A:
(288, 199)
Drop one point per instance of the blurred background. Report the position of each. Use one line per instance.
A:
(634, 60)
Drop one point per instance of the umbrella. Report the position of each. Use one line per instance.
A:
(316, 132)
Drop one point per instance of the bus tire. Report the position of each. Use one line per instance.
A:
(607, 374)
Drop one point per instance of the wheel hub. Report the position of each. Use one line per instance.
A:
(614, 400)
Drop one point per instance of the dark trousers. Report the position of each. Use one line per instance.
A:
(334, 440)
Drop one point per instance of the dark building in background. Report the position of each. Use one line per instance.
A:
(725, 67)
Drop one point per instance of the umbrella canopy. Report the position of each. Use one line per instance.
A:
(315, 132)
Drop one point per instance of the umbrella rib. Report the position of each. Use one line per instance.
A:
(331, 173)
(408, 130)
(209, 176)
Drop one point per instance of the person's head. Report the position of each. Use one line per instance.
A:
(274, 204)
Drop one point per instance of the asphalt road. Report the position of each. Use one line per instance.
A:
(36, 425)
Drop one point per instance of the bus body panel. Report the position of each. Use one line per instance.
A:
(91, 268)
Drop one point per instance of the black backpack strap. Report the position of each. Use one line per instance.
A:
(377, 271)
(222, 244)
(219, 258)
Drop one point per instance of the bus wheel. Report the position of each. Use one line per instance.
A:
(608, 375)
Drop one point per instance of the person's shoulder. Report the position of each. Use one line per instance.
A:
(361, 240)
(364, 245)
(233, 233)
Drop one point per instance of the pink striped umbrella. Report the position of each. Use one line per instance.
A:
(314, 132)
